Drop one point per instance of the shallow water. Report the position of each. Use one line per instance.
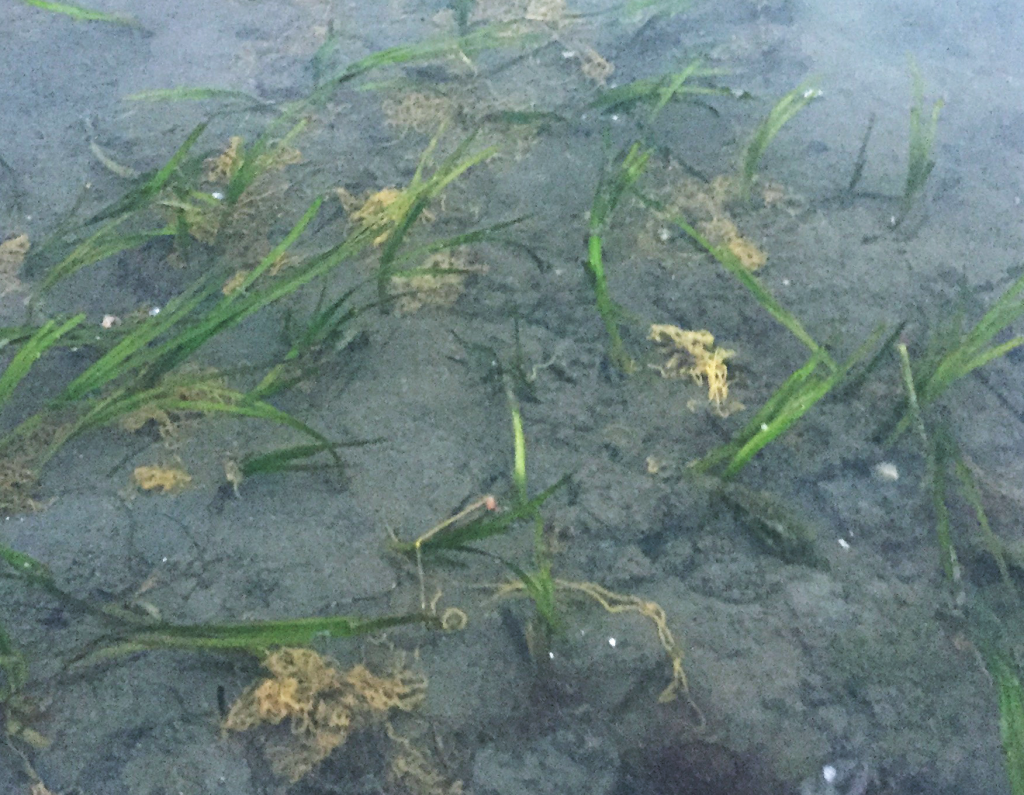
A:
(862, 658)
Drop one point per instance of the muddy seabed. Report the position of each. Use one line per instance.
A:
(864, 665)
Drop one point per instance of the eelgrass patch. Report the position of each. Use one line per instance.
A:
(139, 372)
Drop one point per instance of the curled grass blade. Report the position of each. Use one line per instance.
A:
(140, 196)
(783, 111)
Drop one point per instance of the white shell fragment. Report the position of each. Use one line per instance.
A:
(885, 470)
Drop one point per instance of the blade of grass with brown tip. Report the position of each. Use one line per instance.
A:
(457, 537)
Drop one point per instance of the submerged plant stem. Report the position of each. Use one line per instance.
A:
(922, 141)
(784, 110)
(935, 474)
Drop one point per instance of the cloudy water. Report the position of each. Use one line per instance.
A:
(511, 396)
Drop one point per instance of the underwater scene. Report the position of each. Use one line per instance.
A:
(511, 397)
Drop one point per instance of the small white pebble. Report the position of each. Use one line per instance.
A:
(885, 470)
(829, 774)
(844, 544)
